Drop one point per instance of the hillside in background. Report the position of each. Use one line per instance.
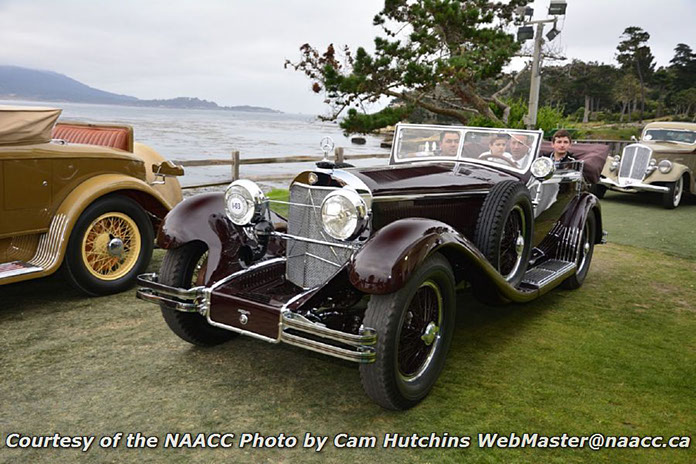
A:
(30, 84)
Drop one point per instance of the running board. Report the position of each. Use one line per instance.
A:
(16, 268)
(545, 273)
(47, 254)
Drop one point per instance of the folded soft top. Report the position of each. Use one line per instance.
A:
(594, 155)
(24, 125)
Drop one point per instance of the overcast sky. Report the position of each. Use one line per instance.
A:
(232, 51)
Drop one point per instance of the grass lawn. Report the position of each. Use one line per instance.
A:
(617, 357)
(641, 221)
(282, 195)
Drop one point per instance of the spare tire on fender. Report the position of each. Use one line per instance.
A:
(504, 229)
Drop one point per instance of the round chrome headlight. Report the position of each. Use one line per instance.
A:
(343, 214)
(542, 168)
(244, 202)
(664, 166)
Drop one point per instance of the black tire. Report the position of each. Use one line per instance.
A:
(586, 249)
(672, 197)
(506, 212)
(407, 366)
(178, 270)
(598, 190)
(109, 246)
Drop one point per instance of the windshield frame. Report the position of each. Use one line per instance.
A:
(459, 158)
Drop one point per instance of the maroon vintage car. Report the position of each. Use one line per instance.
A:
(366, 264)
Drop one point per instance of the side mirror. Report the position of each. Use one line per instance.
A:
(543, 168)
(633, 138)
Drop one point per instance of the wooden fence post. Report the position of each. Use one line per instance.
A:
(235, 165)
(339, 155)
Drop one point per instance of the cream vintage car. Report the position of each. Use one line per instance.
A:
(663, 161)
(83, 197)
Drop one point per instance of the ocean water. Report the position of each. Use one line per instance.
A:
(181, 134)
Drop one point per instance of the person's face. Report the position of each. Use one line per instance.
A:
(560, 146)
(518, 146)
(497, 147)
(449, 144)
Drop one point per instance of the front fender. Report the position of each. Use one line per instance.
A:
(386, 262)
(202, 218)
(677, 171)
(171, 189)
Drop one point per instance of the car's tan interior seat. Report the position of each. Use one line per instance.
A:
(120, 137)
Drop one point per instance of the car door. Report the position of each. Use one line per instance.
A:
(26, 195)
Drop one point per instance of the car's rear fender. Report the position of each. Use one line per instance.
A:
(386, 262)
(70, 209)
(577, 212)
(202, 219)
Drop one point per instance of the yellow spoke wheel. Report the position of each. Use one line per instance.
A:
(111, 246)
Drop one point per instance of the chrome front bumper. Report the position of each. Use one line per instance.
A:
(632, 188)
(293, 328)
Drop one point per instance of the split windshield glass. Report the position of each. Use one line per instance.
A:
(505, 148)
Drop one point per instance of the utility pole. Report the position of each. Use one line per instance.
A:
(531, 118)
(556, 8)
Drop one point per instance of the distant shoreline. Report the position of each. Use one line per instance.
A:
(18, 83)
(145, 104)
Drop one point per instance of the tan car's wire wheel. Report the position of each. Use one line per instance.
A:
(111, 245)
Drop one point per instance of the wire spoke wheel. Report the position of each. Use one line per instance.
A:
(585, 249)
(420, 332)
(504, 229)
(512, 243)
(414, 328)
(186, 267)
(111, 246)
(198, 275)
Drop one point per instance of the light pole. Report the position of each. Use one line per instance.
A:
(556, 8)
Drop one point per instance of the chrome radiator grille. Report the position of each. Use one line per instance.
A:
(310, 264)
(634, 162)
